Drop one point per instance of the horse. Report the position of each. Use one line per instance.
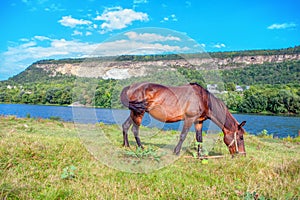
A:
(190, 103)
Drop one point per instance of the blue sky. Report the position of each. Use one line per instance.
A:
(41, 29)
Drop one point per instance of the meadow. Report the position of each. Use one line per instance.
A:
(46, 159)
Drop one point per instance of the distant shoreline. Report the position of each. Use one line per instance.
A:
(89, 106)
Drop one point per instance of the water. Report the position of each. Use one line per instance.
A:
(279, 126)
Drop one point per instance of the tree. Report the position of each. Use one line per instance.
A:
(254, 102)
(230, 86)
(233, 101)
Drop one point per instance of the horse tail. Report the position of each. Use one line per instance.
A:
(139, 107)
(136, 106)
(124, 98)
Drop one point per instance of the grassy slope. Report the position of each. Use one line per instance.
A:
(35, 153)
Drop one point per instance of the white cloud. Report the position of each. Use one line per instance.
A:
(24, 40)
(173, 16)
(150, 37)
(134, 47)
(282, 26)
(54, 7)
(119, 18)
(170, 18)
(88, 33)
(46, 5)
(219, 46)
(72, 22)
(41, 38)
(202, 45)
(32, 50)
(139, 1)
(29, 44)
(20, 56)
(75, 32)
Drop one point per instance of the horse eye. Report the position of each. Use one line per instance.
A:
(241, 138)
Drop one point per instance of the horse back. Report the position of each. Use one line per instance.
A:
(172, 104)
(166, 103)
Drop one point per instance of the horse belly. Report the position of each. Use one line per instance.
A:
(164, 116)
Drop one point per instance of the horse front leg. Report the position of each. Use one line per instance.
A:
(125, 126)
(186, 127)
(198, 128)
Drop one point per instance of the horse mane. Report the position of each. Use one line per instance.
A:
(218, 111)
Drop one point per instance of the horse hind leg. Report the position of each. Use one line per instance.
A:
(135, 130)
(137, 120)
(125, 126)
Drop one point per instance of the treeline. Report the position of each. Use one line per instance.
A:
(75, 60)
(33, 74)
(230, 54)
(37, 93)
(96, 92)
(276, 99)
(263, 52)
(268, 99)
(267, 73)
(157, 57)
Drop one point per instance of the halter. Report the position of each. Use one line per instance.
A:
(234, 141)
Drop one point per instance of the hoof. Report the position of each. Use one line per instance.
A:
(142, 147)
(177, 153)
(200, 154)
(126, 145)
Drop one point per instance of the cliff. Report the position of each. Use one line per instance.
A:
(124, 69)
(126, 66)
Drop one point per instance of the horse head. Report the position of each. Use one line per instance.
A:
(235, 140)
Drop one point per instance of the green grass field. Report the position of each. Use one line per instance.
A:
(45, 159)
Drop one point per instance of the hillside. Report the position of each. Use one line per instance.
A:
(134, 66)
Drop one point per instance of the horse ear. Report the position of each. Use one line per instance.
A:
(242, 124)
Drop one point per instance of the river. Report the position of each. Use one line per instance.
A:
(279, 126)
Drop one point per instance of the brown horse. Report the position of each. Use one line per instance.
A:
(191, 103)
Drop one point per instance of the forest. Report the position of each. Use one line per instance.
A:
(272, 88)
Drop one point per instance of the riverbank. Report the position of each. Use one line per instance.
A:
(266, 114)
(44, 159)
(276, 125)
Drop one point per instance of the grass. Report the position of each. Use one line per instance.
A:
(45, 159)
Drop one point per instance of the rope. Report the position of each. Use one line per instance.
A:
(234, 141)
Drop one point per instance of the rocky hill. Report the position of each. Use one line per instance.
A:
(128, 66)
